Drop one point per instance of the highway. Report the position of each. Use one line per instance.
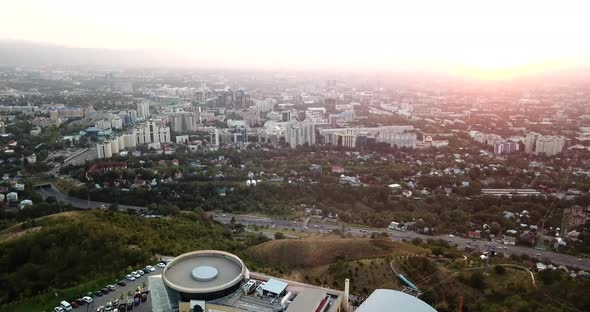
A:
(543, 255)
(305, 226)
(49, 190)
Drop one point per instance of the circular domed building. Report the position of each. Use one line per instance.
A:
(205, 274)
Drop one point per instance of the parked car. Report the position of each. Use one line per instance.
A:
(135, 274)
(105, 291)
(108, 306)
(58, 309)
(115, 303)
(111, 287)
(121, 283)
(74, 304)
(66, 306)
(145, 271)
(100, 309)
(87, 299)
(130, 277)
(98, 293)
(80, 301)
(129, 304)
(136, 301)
(140, 272)
(150, 268)
(143, 296)
(122, 307)
(161, 265)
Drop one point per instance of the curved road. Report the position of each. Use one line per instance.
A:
(47, 190)
(303, 226)
(460, 242)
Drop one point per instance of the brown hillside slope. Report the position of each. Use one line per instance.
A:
(322, 250)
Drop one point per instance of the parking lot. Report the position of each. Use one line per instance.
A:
(130, 286)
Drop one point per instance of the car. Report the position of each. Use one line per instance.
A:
(80, 301)
(111, 287)
(145, 271)
(144, 296)
(136, 301)
(161, 265)
(108, 306)
(66, 306)
(579, 259)
(87, 299)
(121, 283)
(135, 274)
(100, 309)
(98, 293)
(122, 307)
(151, 268)
(115, 303)
(115, 309)
(74, 304)
(105, 291)
(58, 309)
(130, 277)
(129, 304)
(140, 272)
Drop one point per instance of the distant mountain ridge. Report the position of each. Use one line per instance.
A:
(27, 53)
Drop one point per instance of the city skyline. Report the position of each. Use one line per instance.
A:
(465, 38)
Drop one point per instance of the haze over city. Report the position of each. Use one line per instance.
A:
(294, 156)
(480, 39)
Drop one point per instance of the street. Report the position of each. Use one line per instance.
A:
(303, 226)
(554, 257)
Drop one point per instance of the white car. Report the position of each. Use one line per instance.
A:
(161, 265)
(130, 277)
(135, 274)
(87, 299)
(151, 268)
(451, 235)
(108, 306)
(58, 309)
(140, 272)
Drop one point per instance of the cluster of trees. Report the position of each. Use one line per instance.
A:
(70, 250)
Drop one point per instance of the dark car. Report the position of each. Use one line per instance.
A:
(121, 283)
(122, 307)
(74, 304)
(98, 293)
(105, 291)
(129, 304)
(137, 301)
(146, 271)
(144, 296)
(80, 301)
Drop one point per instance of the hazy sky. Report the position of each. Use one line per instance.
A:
(489, 38)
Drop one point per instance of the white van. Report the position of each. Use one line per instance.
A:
(65, 305)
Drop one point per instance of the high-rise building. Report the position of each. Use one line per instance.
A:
(506, 147)
(549, 145)
(300, 132)
(151, 132)
(529, 142)
(143, 109)
(214, 137)
(183, 122)
(104, 150)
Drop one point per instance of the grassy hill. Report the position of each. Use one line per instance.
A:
(70, 249)
(322, 250)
